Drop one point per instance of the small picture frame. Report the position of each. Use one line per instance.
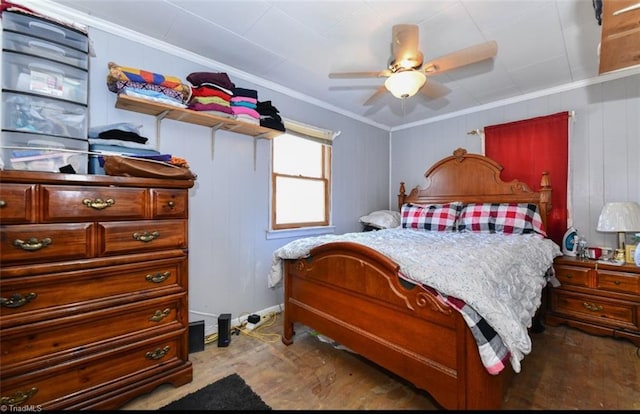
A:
(630, 251)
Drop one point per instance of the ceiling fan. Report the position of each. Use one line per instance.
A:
(407, 72)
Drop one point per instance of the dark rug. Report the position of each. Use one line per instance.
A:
(228, 393)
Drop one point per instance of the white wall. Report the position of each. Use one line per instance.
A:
(229, 254)
(604, 146)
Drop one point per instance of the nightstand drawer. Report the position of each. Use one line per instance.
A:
(570, 275)
(618, 282)
(602, 311)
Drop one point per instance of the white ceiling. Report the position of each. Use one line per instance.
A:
(541, 44)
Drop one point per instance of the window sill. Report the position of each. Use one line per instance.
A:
(303, 232)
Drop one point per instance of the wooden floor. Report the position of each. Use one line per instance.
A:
(567, 369)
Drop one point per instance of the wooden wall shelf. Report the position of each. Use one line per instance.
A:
(163, 111)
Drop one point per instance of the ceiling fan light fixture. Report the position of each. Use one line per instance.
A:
(405, 84)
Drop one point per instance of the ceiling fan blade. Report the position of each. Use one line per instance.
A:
(404, 46)
(351, 75)
(461, 58)
(379, 92)
(434, 89)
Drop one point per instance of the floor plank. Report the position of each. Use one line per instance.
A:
(566, 370)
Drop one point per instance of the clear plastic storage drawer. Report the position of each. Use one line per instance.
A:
(30, 113)
(39, 47)
(45, 29)
(44, 77)
(32, 152)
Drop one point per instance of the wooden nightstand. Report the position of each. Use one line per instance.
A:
(597, 298)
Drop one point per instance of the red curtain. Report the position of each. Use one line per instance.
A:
(527, 148)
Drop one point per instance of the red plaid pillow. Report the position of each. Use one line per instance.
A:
(513, 218)
(476, 217)
(432, 217)
(508, 218)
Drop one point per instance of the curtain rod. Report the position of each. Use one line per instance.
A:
(479, 131)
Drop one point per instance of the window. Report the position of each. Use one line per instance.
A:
(301, 178)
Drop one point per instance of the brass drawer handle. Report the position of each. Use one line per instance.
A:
(171, 205)
(616, 282)
(160, 315)
(98, 203)
(17, 398)
(17, 300)
(568, 275)
(146, 236)
(32, 244)
(3, 203)
(158, 277)
(592, 307)
(158, 353)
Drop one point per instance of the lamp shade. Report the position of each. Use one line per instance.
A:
(620, 217)
(405, 84)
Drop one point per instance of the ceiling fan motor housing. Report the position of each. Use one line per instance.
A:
(407, 62)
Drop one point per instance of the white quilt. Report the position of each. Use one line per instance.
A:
(500, 275)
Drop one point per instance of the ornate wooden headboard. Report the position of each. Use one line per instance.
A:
(474, 178)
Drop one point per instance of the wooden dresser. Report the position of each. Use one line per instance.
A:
(597, 298)
(93, 285)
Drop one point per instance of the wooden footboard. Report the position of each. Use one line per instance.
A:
(353, 295)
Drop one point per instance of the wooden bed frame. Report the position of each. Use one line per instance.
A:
(353, 295)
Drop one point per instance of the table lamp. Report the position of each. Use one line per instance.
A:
(620, 217)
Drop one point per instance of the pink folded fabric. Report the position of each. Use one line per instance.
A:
(243, 99)
(246, 111)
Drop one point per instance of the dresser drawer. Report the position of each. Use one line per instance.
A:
(55, 340)
(17, 203)
(61, 294)
(169, 203)
(570, 275)
(75, 203)
(602, 311)
(144, 235)
(55, 387)
(36, 243)
(618, 282)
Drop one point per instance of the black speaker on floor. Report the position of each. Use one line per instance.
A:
(196, 336)
(224, 329)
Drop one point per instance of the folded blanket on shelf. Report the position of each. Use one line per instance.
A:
(249, 93)
(197, 106)
(144, 76)
(247, 111)
(204, 90)
(120, 77)
(244, 99)
(243, 103)
(210, 99)
(216, 78)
